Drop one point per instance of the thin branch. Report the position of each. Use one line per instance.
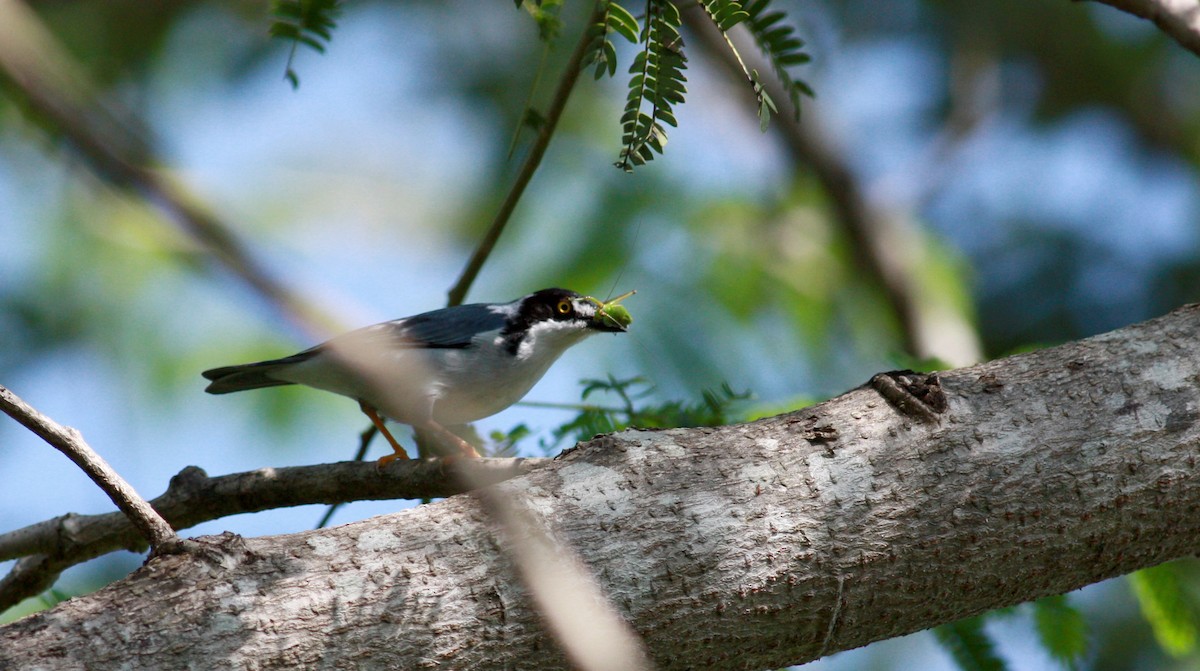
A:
(193, 497)
(537, 150)
(553, 113)
(1180, 19)
(67, 440)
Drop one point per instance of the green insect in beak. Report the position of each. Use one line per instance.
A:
(613, 314)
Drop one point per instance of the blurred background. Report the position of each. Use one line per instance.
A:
(972, 179)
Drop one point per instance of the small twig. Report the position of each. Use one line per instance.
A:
(67, 440)
(532, 161)
(536, 151)
(577, 407)
(194, 497)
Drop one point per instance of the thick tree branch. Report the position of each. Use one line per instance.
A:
(750, 546)
(193, 497)
(1180, 19)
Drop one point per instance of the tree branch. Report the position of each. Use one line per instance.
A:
(537, 150)
(1179, 19)
(193, 497)
(148, 523)
(750, 546)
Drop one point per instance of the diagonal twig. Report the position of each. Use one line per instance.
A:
(558, 103)
(583, 619)
(67, 440)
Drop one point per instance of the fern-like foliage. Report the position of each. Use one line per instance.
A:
(657, 81)
(601, 52)
(782, 48)
(656, 85)
(725, 14)
(308, 22)
(969, 645)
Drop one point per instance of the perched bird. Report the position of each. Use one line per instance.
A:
(445, 367)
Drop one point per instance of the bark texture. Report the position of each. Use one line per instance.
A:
(741, 547)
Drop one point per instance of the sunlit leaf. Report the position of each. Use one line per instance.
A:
(1159, 593)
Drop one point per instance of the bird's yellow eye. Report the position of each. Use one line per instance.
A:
(564, 307)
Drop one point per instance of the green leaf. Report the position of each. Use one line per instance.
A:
(1061, 629)
(725, 13)
(620, 21)
(656, 82)
(307, 22)
(545, 15)
(1159, 593)
(602, 53)
(969, 645)
(781, 48)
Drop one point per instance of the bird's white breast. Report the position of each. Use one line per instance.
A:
(487, 378)
(449, 385)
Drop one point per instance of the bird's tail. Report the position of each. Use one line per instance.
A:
(245, 376)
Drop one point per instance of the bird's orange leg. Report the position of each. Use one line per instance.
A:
(375, 419)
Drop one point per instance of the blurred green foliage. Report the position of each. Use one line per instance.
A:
(715, 407)
(971, 647)
(1169, 609)
(1062, 630)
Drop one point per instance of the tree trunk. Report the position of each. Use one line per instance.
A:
(741, 547)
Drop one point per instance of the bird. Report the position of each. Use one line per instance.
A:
(444, 367)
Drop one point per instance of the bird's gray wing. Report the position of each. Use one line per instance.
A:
(447, 328)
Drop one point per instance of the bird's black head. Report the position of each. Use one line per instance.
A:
(560, 305)
(555, 310)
